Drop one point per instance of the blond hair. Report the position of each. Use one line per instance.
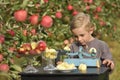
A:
(81, 20)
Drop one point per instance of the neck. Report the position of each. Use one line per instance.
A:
(91, 38)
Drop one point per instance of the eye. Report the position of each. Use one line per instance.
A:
(75, 36)
(81, 35)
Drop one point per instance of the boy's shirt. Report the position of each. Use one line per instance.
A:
(98, 47)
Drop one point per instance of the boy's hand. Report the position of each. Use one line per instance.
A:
(109, 63)
(59, 62)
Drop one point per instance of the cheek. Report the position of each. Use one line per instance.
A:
(86, 37)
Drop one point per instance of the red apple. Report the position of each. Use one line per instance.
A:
(4, 67)
(75, 13)
(26, 46)
(34, 19)
(41, 45)
(25, 32)
(90, 1)
(2, 39)
(102, 23)
(21, 50)
(96, 16)
(70, 7)
(20, 15)
(58, 15)
(33, 31)
(98, 9)
(87, 7)
(46, 21)
(37, 51)
(12, 49)
(32, 52)
(1, 57)
(11, 32)
(46, 1)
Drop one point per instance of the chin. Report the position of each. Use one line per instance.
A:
(83, 43)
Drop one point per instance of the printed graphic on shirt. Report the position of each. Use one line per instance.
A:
(93, 51)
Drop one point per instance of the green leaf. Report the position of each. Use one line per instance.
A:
(5, 76)
(16, 67)
(24, 4)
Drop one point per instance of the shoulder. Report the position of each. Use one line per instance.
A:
(101, 43)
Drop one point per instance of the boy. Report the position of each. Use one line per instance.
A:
(82, 29)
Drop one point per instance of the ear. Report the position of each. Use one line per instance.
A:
(91, 30)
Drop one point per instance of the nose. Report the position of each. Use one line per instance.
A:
(79, 38)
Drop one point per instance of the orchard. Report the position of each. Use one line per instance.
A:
(29, 21)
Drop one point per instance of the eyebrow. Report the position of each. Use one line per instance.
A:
(78, 35)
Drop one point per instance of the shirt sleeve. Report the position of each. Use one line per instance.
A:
(74, 47)
(106, 54)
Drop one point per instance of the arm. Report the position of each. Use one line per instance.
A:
(107, 56)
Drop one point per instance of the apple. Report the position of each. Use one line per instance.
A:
(46, 1)
(70, 7)
(32, 52)
(34, 19)
(4, 67)
(11, 32)
(82, 67)
(2, 39)
(46, 21)
(21, 50)
(99, 9)
(20, 15)
(25, 32)
(41, 45)
(58, 15)
(37, 51)
(1, 57)
(26, 46)
(75, 13)
(33, 45)
(33, 31)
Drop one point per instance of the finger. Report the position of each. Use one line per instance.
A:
(105, 62)
(112, 66)
(59, 62)
(108, 63)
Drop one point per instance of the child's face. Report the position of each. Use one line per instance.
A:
(82, 35)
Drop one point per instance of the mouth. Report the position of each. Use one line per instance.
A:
(82, 43)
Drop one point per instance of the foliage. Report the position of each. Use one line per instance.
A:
(114, 47)
(104, 14)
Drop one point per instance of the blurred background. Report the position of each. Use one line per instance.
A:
(27, 21)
